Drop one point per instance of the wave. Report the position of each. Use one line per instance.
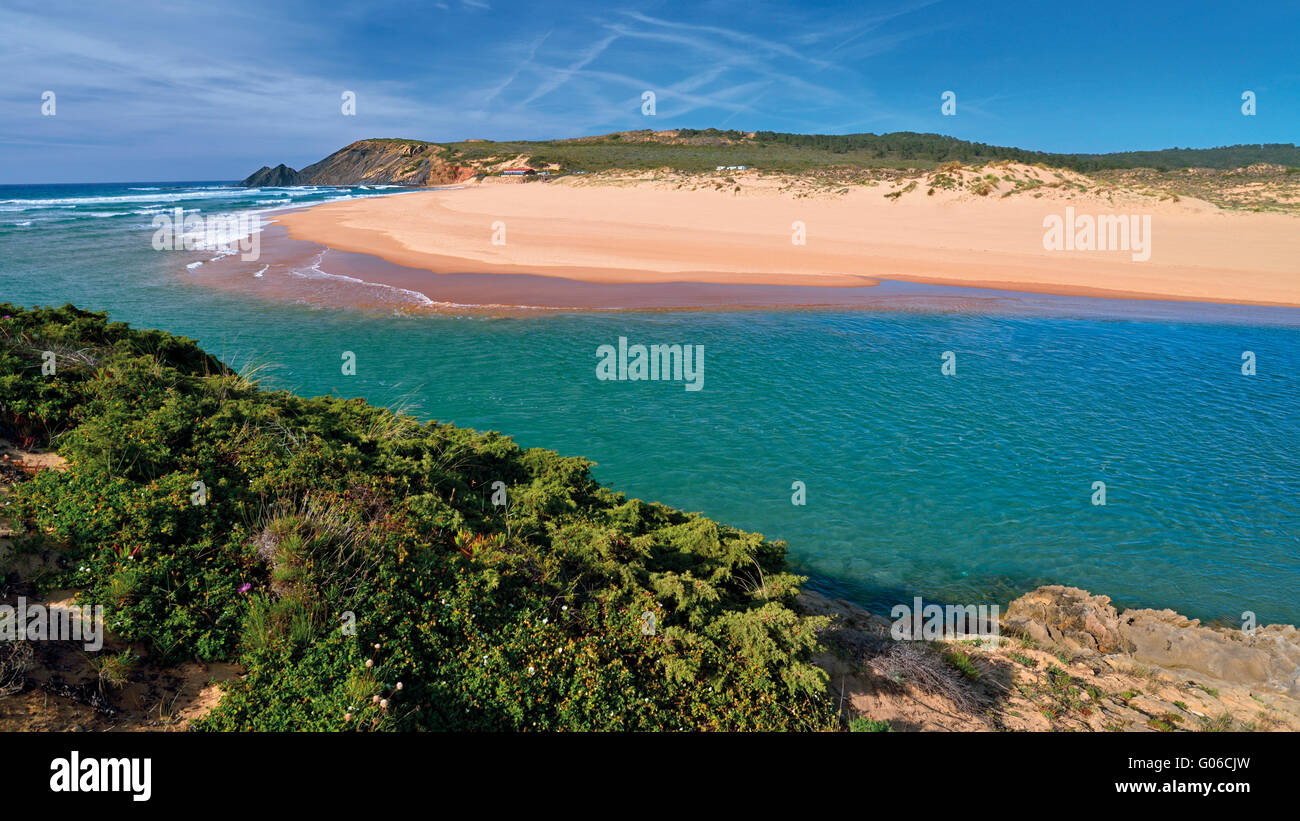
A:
(163, 198)
(131, 198)
(216, 202)
(319, 274)
(223, 236)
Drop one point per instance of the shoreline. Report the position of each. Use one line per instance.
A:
(1141, 668)
(672, 248)
(310, 273)
(1077, 662)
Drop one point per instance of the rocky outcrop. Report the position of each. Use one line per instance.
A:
(1069, 618)
(376, 162)
(267, 177)
(1073, 619)
(1067, 661)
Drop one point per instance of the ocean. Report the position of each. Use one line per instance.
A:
(968, 488)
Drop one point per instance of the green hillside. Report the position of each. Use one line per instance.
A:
(693, 150)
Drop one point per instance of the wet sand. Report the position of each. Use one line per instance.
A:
(311, 274)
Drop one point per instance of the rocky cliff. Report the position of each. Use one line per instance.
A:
(266, 176)
(372, 162)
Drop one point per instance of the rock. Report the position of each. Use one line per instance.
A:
(1069, 618)
(266, 177)
(1081, 623)
(1135, 671)
(1270, 657)
(372, 162)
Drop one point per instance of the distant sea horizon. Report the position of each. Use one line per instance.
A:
(970, 488)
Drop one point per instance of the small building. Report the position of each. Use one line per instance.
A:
(518, 172)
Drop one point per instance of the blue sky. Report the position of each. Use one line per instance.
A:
(216, 89)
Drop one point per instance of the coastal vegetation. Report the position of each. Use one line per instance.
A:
(693, 150)
(1243, 177)
(356, 563)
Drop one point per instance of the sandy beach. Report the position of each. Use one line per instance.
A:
(740, 231)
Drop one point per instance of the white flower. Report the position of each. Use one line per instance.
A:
(370, 662)
(383, 703)
(399, 685)
(530, 669)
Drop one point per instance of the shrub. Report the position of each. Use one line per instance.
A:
(342, 549)
(862, 724)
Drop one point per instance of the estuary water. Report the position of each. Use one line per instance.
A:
(967, 487)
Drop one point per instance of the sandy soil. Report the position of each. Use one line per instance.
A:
(738, 230)
(63, 688)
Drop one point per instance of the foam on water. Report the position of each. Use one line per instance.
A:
(314, 271)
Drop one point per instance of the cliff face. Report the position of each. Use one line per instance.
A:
(374, 162)
(279, 176)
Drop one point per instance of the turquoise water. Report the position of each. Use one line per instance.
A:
(967, 488)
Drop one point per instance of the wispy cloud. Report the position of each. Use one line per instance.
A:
(745, 39)
(142, 81)
(194, 89)
(558, 77)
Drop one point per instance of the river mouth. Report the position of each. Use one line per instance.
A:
(970, 487)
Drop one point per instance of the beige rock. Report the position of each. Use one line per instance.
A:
(1067, 617)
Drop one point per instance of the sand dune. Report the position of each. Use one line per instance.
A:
(638, 230)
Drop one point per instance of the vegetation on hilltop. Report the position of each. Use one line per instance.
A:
(316, 512)
(694, 150)
(843, 157)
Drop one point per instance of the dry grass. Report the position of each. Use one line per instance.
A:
(15, 659)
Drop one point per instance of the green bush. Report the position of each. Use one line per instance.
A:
(344, 555)
(862, 724)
